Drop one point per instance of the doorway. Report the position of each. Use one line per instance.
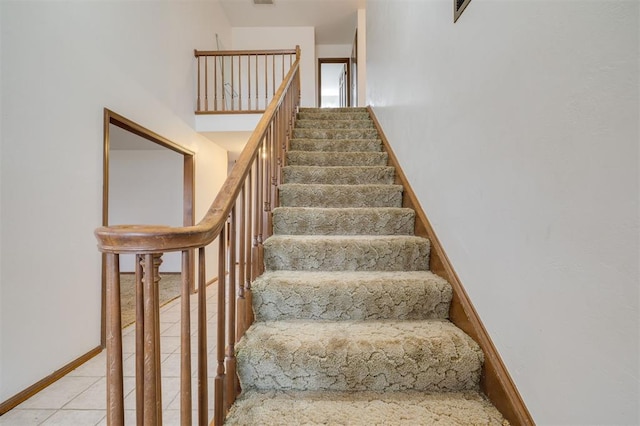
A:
(334, 82)
(146, 179)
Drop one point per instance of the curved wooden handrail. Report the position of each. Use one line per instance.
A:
(143, 239)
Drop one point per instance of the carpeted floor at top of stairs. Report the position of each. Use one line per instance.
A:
(350, 327)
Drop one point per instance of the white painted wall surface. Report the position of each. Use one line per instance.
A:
(257, 38)
(334, 50)
(62, 62)
(362, 58)
(146, 187)
(518, 130)
(1, 363)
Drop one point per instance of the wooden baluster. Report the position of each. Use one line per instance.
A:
(277, 161)
(203, 389)
(115, 388)
(257, 86)
(139, 340)
(215, 83)
(257, 238)
(224, 90)
(260, 210)
(266, 82)
(151, 372)
(242, 302)
(267, 182)
(185, 343)
(240, 83)
(282, 77)
(230, 359)
(232, 85)
(206, 83)
(249, 248)
(198, 103)
(249, 82)
(219, 407)
(273, 76)
(157, 261)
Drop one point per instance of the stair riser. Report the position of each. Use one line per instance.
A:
(398, 360)
(334, 116)
(334, 254)
(334, 124)
(335, 134)
(304, 158)
(336, 145)
(338, 175)
(321, 221)
(295, 195)
(347, 110)
(280, 300)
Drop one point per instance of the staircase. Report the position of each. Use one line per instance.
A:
(350, 325)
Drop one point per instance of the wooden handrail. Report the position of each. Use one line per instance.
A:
(240, 218)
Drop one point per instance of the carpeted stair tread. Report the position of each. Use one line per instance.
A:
(335, 133)
(332, 145)
(407, 408)
(323, 195)
(334, 124)
(333, 115)
(307, 158)
(350, 325)
(343, 221)
(427, 355)
(346, 253)
(338, 296)
(339, 175)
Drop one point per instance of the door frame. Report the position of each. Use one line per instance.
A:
(347, 62)
(188, 201)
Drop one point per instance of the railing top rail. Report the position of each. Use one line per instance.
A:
(155, 239)
(243, 52)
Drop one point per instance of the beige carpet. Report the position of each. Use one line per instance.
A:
(351, 326)
(169, 290)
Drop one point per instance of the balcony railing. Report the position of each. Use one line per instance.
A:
(240, 81)
(239, 219)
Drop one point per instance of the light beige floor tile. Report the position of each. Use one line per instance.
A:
(75, 417)
(95, 397)
(19, 417)
(95, 367)
(60, 393)
(170, 388)
(129, 418)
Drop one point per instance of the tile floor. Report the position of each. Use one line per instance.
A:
(79, 398)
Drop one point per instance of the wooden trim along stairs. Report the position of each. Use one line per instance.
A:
(496, 382)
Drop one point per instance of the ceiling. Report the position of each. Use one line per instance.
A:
(334, 20)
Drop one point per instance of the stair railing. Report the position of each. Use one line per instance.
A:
(240, 219)
(240, 81)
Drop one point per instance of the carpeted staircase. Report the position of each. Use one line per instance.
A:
(350, 326)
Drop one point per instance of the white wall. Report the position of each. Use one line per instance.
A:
(362, 58)
(518, 129)
(62, 62)
(254, 38)
(1, 363)
(333, 50)
(146, 186)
